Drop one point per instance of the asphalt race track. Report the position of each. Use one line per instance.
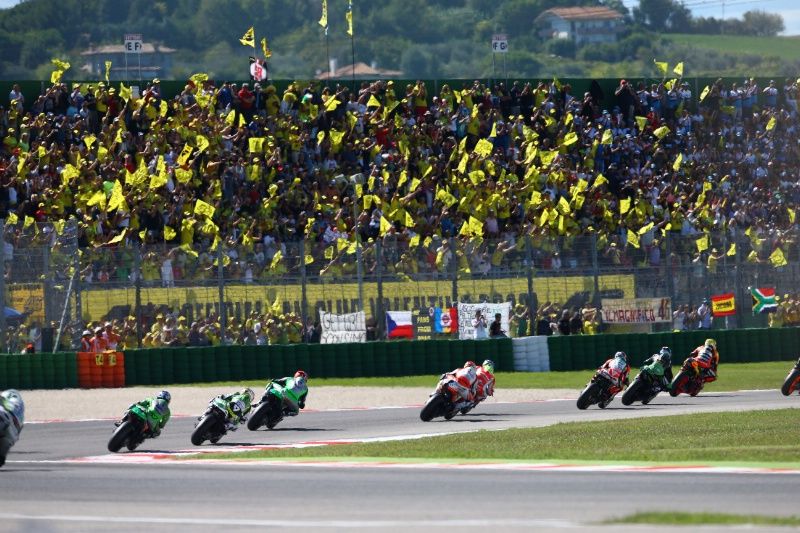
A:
(48, 485)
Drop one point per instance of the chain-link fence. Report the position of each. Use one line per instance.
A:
(53, 282)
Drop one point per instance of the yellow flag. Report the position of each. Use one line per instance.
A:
(731, 250)
(183, 176)
(702, 243)
(265, 49)
(186, 153)
(323, 21)
(413, 242)
(571, 138)
(257, 144)
(385, 226)
(202, 208)
(373, 102)
(475, 226)
(108, 70)
(55, 76)
(98, 198)
(661, 66)
(563, 206)
(791, 214)
(331, 104)
(705, 92)
(276, 259)
(661, 132)
(414, 184)
(169, 233)
(777, 258)
(677, 164)
(249, 38)
(61, 65)
(633, 238)
(119, 238)
(349, 18)
(771, 124)
(117, 199)
(608, 137)
(641, 122)
(309, 259)
(483, 148)
(678, 70)
(11, 219)
(599, 180)
(158, 180)
(124, 92)
(624, 206)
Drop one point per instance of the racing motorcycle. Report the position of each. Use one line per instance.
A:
(443, 400)
(688, 380)
(269, 411)
(600, 391)
(644, 388)
(792, 382)
(131, 430)
(211, 425)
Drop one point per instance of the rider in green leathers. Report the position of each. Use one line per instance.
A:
(295, 392)
(660, 365)
(157, 412)
(239, 404)
(12, 418)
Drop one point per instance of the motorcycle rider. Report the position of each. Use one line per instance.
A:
(660, 365)
(157, 412)
(239, 404)
(466, 378)
(12, 418)
(295, 392)
(705, 359)
(617, 368)
(484, 384)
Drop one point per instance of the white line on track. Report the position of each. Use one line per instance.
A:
(294, 523)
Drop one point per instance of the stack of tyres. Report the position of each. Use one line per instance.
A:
(381, 362)
(4, 381)
(263, 362)
(209, 362)
(393, 355)
(59, 362)
(353, 360)
(181, 366)
(277, 360)
(408, 362)
(168, 365)
(368, 349)
(416, 355)
(222, 354)
(194, 357)
(316, 361)
(250, 363)
(13, 371)
(156, 360)
(143, 367)
(237, 364)
(302, 357)
(25, 381)
(108, 363)
(118, 363)
(40, 379)
(131, 374)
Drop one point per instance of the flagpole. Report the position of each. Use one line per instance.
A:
(328, 54)
(353, 50)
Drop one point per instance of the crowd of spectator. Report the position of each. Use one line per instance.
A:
(268, 182)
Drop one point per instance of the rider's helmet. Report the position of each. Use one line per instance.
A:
(665, 356)
(469, 364)
(247, 391)
(711, 342)
(301, 374)
(12, 402)
(488, 366)
(621, 355)
(164, 395)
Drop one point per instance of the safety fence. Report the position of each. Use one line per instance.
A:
(583, 352)
(163, 366)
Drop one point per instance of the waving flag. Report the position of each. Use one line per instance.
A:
(445, 320)
(723, 304)
(764, 300)
(249, 38)
(398, 325)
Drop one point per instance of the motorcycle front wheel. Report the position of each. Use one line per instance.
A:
(259, 416)
(792, 382)
(203, 429)
(433, 408)
(121, 435)
(631, 394)
(588, 395)
(679, 384)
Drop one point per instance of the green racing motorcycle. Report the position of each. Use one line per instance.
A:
(269, 411)
(131, 430)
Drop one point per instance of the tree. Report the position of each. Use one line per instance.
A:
(762, 24)
(663, 15)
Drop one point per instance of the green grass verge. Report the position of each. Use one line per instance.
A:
(693, 519)
(771, 437)
(787, 48)
(734, 376)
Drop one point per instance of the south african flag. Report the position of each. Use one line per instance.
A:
(764, 300)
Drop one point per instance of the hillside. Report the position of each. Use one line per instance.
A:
(421, 38)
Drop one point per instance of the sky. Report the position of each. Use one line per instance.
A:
(790, 9)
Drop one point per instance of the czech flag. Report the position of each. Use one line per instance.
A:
(399, 325)
(445, 320)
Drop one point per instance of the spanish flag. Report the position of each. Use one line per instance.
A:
(723, 304)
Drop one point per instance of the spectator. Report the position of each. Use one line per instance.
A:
(479, 323)
(564, 323)
(496, 327)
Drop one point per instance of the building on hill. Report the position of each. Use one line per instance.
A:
(362, 71)
(580, 24)
(156, 61)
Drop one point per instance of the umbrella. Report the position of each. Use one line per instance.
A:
(12, 313)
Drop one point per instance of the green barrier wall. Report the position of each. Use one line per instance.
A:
(161, 366)
(38, 371)
(584, 352)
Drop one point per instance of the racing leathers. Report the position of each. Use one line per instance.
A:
(238, 406)
(617, 369)
(484, 385)
(295, 392)
(466, 378)
(705, 359)
(12, 418)
(157, 413)
(662, 373)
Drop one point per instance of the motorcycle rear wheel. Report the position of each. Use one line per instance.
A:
(792, 382)
(121, 435)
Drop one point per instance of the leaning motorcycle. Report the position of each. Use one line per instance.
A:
(598, 391)
(269, 411)
(211, 425)
(443, 400)
(644, 388)
(688, 381)
(792, 382)
(131, 430)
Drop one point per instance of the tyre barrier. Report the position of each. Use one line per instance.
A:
(101, 370)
